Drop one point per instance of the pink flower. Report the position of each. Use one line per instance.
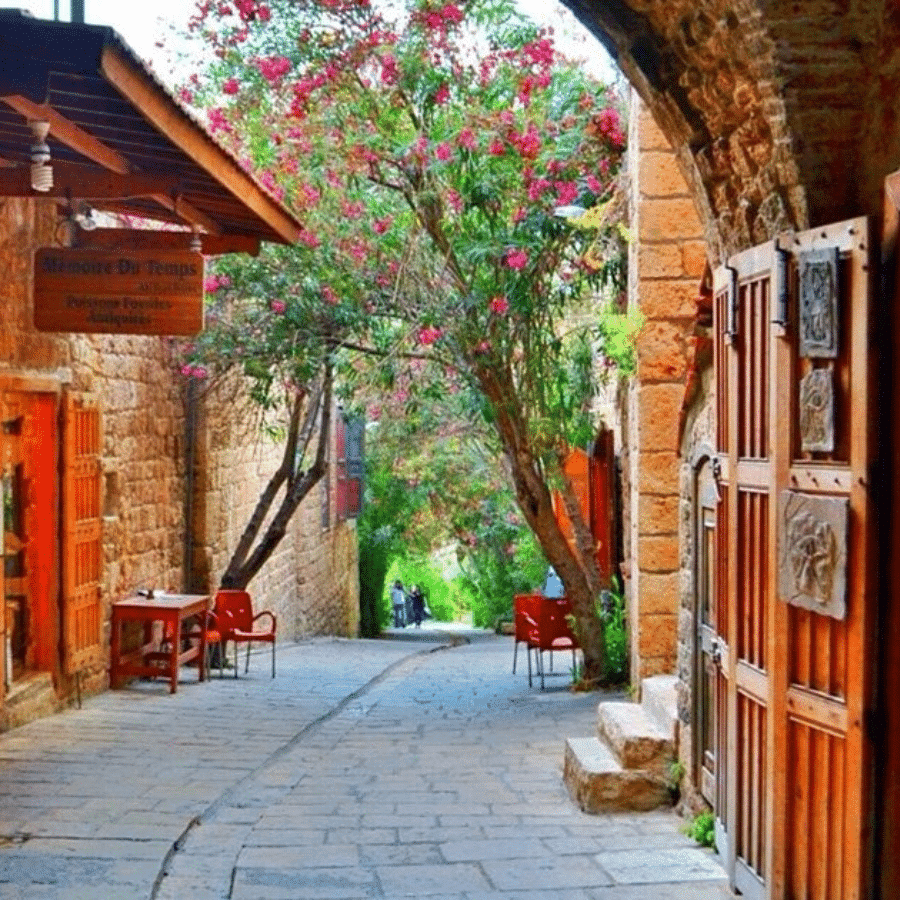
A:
(595, 186)
(442, 95)
(428, 335)
(185, 95)
(329, 296)
(352, 209)
(498, 305)
(443, 152)
(215, 282)
(217, 120)
(608, 123)
(278, 306)
(231, 86)
(380, 226)
(516, 258)
(454, 201)
(191, 371)
(309, 239)
(496, 147)
(537, 188)
(389, 73)
(519, 214)
(567, 192)
(528, 143)
(272, 68)
(466, 139)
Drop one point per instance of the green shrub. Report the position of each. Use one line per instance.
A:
(611, 610)
(703, 829)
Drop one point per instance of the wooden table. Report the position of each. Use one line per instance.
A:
(149, 659)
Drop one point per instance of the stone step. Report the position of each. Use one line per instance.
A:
(31, 697)
(598, 783)
(634, 739)
(659, 697)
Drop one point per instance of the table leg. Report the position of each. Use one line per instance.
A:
(201, 663)
(114, 650)
(175, 645)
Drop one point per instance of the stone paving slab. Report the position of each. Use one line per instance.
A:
(366, 769)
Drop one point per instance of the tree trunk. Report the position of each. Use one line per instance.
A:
(253, 550)
(577, 571)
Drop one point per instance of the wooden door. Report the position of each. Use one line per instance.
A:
(795, 560)
(28, 541)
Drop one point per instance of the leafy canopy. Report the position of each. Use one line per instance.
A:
(428, 148)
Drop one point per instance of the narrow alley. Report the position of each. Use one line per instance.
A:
(417, 767)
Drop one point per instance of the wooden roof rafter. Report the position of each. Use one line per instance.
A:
(120, 141)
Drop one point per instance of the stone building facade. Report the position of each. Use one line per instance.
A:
(311, 583)
(666, 262)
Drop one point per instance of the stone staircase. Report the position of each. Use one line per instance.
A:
(626, 766)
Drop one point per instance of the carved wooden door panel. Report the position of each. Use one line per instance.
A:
(795, 562)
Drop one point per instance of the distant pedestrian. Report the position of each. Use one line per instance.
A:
(418, 605)
(398, 601)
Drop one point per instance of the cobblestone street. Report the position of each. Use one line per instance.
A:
(416, 767)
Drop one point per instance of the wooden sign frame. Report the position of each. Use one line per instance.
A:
(135, 291)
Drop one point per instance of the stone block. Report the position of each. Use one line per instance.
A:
(694, 258)
(668, 298)
(634, 739)
(658, 515)
(658, 472)
(661, 351)
(657, 553)
(658, 639)
(657, 594)
(659, 411)
(650, 135)
(660, 176)
(660, 261)
(670, 219)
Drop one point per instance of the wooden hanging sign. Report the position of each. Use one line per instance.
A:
(123, 292)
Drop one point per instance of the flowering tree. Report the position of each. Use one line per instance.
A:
(430, 147)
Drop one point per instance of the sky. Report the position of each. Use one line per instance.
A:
(142, 24)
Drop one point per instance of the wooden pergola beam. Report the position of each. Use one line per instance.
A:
(70, 134)
(188, 213)
(159, 110)
(146, 239)
(77, 182)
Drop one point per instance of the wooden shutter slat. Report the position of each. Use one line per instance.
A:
(81, 535)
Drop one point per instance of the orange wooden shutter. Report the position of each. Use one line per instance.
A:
(81, 544)
(576, 469)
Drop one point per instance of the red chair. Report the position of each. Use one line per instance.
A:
(237, 622)
(549, 630)
(525, 611)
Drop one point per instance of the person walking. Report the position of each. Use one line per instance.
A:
(418, 605)
(398, 601)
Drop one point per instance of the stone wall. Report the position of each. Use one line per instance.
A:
(311, 581)
(666, 262)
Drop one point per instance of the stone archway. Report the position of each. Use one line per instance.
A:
(783, 114)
